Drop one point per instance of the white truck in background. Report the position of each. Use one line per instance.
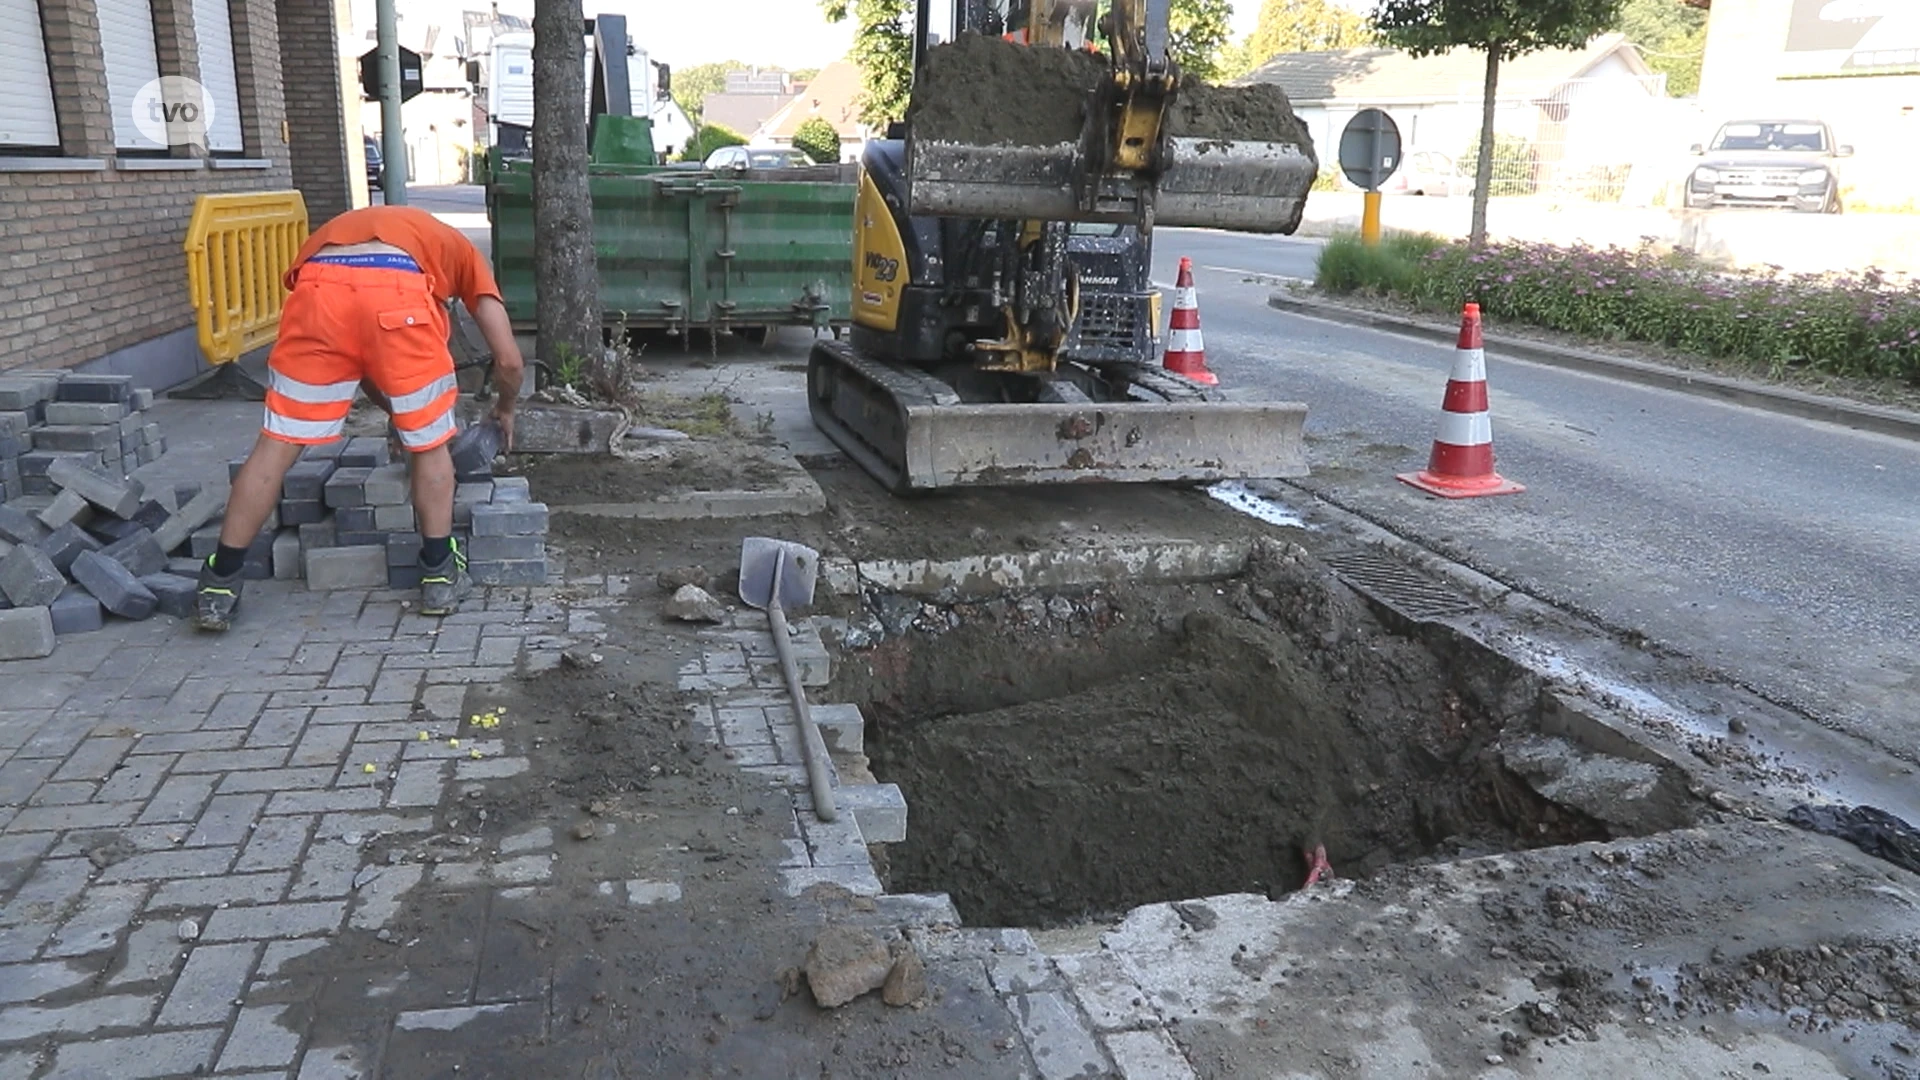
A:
(510, 88)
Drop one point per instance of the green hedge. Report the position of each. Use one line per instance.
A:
(1861, 325)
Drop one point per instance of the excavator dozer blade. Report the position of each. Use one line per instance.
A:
(912, 434)
(1245, 186)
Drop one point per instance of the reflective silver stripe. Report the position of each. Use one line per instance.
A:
(425, 396)
(427, 435)
(313, 393)
(289, 428)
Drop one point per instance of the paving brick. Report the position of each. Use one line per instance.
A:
(30, 982)
(524, 572)
(64, 793)
(180, 798)
(171, 865)
(151, 954)
(511, 489)
(94, 759)
(24, 1022)
(285, 552)
(278, 726)
(29, 577)
(84, 413)
(139, 552)
(346, 568)
(135, 779)
(26, 633)
(121, 498)
(1148, 1055)
(510, 519)
(365, 452)
(96, 925)
(81, 387)
(76, 612)
(236, 709)
(276, 844)
(419, 783)
(1062, 1046)
(323, 744)
(137, 1057)
(271, 780)
(387, 485)
(67, 508)
(322, 802)
(307, 480)
(77, 437)
(507, 548)
(266, 757)
(202, 508)
(228, 819)
(275, 921)
(394, 518)
(298, 699)
(214, 976)
(183, 741)
(318, 536)
(202, 893)
(117, 589)
(261, 1039)
(19, 527)
(346, 489)
(173, 594)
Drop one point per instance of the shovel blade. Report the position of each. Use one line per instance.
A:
(797, 567)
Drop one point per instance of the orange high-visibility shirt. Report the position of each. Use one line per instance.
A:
(450, 259)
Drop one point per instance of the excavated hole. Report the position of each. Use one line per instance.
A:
(1071, 756)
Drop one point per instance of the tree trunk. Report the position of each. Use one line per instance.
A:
(1483, 169)
(566, 282)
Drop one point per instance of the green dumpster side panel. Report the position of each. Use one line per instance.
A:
(689, 249)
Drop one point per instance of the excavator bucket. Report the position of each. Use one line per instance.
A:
(1003, 131)
(913, 433)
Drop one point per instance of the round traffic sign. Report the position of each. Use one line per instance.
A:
(1370, 148)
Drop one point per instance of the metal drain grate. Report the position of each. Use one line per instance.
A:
(1399, 586)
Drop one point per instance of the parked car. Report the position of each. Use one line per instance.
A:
(1784, 164)
(755, 157)
(374, 162)
(1426, 172)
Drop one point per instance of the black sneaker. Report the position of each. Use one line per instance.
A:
(442, 587)
(214, 604)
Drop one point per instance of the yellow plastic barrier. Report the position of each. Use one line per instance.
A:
(238, 248)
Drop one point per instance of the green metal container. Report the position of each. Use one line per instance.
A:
(685, 249)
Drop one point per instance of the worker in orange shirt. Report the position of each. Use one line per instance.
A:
(368, 303)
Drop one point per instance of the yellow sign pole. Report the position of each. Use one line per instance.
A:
(1370, 219)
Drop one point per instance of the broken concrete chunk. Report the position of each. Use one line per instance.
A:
(681, 576)
(694, 604)
(907, 983)
(844, 963)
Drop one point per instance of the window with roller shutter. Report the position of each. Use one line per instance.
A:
(27, 118)
(132, 58)
(213, 27)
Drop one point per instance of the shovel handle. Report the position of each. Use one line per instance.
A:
(813, 747)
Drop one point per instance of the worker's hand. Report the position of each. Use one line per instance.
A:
(503, 415)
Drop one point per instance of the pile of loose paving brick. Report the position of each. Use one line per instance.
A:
(98, 421)
(83, 540)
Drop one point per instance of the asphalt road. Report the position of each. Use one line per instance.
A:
(1782, 552)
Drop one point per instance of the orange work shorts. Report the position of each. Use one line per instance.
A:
(342, 324)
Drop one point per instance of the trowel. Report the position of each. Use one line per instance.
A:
(774, 576)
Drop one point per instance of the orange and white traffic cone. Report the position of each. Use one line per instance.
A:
(1186, 353)
(1461, 466)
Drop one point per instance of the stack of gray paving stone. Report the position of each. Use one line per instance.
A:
(99, 421)
(346, 520)
(98, 546)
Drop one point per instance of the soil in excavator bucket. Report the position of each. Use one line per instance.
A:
(999, 130)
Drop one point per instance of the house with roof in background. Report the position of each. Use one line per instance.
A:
(833, 96)
(1568, 113)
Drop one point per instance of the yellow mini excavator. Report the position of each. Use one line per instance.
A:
(1004, 327)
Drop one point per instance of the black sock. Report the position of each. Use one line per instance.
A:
(435, 550)
(227, 561)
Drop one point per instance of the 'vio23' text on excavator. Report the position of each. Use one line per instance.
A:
(1003, 324)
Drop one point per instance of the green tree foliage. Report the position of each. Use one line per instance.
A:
(693, 85)
(1673, 38)
(883, 49)
(708, 138)
(1501, 29)
(818, 140)
(1290, 26)
(1200, 32)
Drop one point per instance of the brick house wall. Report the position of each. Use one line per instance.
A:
(91, 267)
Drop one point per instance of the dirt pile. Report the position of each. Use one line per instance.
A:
(1074, 757)
(985, 91)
